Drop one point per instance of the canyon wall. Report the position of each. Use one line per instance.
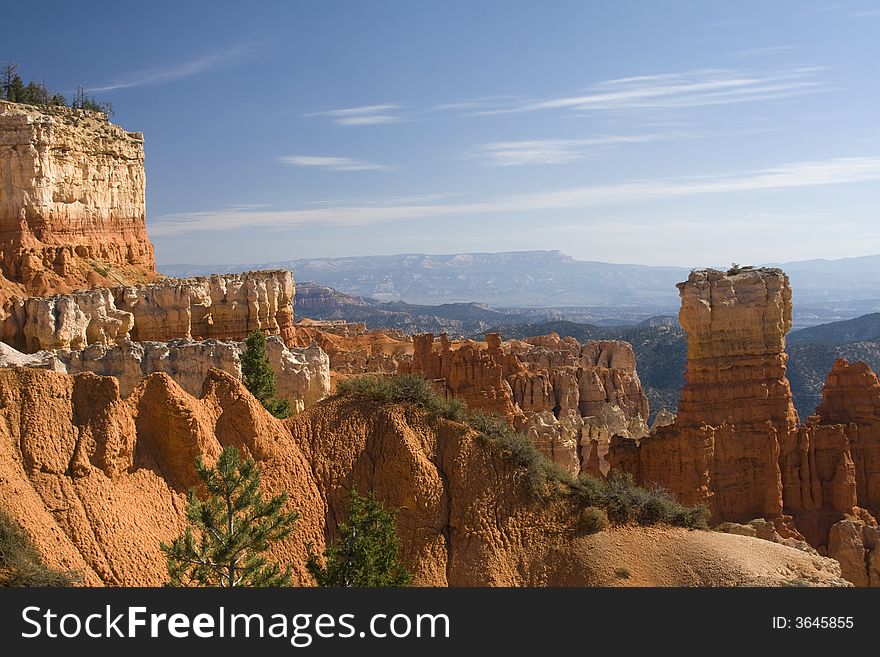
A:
(72, 202)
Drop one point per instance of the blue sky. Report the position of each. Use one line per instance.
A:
(655, 132)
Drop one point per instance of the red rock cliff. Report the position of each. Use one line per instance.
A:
(72, 202)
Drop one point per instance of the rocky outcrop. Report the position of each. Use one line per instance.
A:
(818, 478)
(571, 399)
(352, 348)
(736, 326)
(98, 482)
(223, 307)
(581, 377)
(302, 375)
(735, 444)
(71, 321)
(854, 544)
(72, 190)
(852, 397)
(724, 445)
(478, 376)
(765, 530)
(546, 373)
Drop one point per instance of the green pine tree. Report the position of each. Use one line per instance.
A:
(366, 552)
(234, 526)
(259, 378)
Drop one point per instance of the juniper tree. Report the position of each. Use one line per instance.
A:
(366, 552)
(234, 527)
(259, 378)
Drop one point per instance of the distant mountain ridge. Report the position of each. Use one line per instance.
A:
(861, 329)
(320, 302)
(824, 290)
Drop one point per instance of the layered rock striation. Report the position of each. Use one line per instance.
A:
(352, 348)
(72, 202)
(736, 407)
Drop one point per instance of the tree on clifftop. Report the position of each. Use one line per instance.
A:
(259, 378)
(235, 526)
(366, 552)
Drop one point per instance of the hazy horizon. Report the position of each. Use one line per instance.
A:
(622, 132)
(560, 251)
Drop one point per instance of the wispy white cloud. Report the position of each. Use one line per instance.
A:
(173, 72)
(332, 163)
(786, 176)
(698, 88)
(546, 151)
(690, 89)
(364, 115)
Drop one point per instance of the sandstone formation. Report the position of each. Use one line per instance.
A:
(302, 375)
(767, 531)
(352, 348)
(71, 321)
(98, 481)
(735, 444)
(72, 202)
(223, 307)
(582, 377)
(854, 544)
(852, 397)
(723, 447)
(571, 399)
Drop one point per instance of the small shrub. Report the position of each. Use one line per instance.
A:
(738, 269)
(593, 520)
(589, 491)
(622, 573)
(541, 472)
(403, 388)
(489, 424)
(20, 562)
(626, 503)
